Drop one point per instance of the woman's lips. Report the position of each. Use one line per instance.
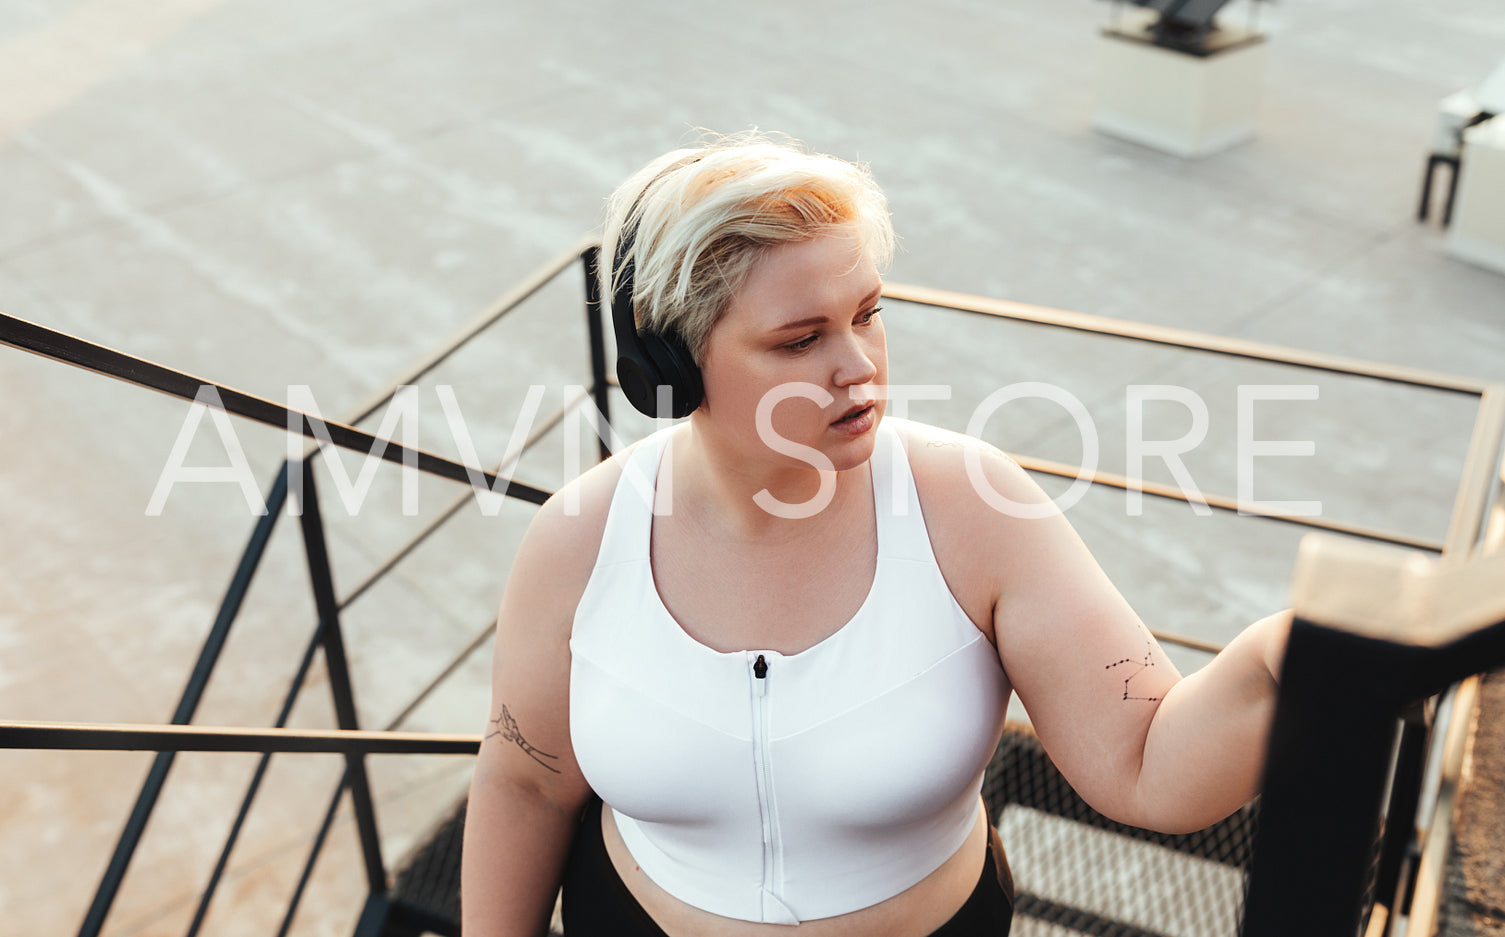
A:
(856, 421)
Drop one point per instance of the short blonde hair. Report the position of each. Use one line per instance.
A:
(700, 218)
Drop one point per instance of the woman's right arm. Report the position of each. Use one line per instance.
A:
(527, 792)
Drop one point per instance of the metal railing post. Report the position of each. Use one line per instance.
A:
(341, 689)
(1324, 784)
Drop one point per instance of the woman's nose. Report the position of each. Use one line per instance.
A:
(855, 364)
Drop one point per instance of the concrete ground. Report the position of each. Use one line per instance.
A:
(280, 193)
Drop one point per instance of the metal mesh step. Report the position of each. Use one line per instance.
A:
(430, 882)
(1078, 872)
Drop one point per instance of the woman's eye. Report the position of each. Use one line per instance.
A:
(802, 344)
(869, 316)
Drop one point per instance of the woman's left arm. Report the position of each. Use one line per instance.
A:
(1140, 743)
(1204, 753)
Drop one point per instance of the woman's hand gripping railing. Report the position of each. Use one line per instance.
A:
(1375, 629)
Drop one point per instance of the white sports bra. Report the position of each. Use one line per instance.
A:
(783, 788)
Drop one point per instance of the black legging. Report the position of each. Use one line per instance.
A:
(598, 904)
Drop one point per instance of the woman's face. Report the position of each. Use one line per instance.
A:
(807, 315)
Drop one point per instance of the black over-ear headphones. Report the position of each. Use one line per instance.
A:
(647, 359)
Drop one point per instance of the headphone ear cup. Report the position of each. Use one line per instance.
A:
(649, 360)
(660, 360)
(676, 368)
(638, 376)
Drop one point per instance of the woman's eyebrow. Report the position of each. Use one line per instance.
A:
(799, 323)
(866, 301)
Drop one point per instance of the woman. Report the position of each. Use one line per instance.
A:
(777, 639)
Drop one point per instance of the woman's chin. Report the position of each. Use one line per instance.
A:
(853, 446)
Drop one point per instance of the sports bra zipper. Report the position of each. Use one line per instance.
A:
(763, 772)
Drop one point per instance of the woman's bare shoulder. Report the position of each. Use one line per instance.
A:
(978, 505)
(559, 550)
(960, 473)
(569, 525)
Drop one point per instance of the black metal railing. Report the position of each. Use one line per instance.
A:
(326, 638)
(1374, 635)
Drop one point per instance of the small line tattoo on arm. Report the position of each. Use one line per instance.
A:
(507, 730)
(1140, 666)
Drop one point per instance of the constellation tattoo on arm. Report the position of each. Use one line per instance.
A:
(506, 728)
(1140, 666)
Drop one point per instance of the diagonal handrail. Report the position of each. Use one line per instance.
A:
(69, 349)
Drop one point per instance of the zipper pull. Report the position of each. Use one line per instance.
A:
(760, 670)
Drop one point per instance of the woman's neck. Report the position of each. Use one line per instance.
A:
(750, 499)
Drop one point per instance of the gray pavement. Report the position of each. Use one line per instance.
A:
(273, 193)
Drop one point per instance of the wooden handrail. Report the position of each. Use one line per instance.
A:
(1396, 595)
(1181, 338)
(83, 736)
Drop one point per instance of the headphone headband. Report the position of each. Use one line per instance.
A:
(648, 360)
